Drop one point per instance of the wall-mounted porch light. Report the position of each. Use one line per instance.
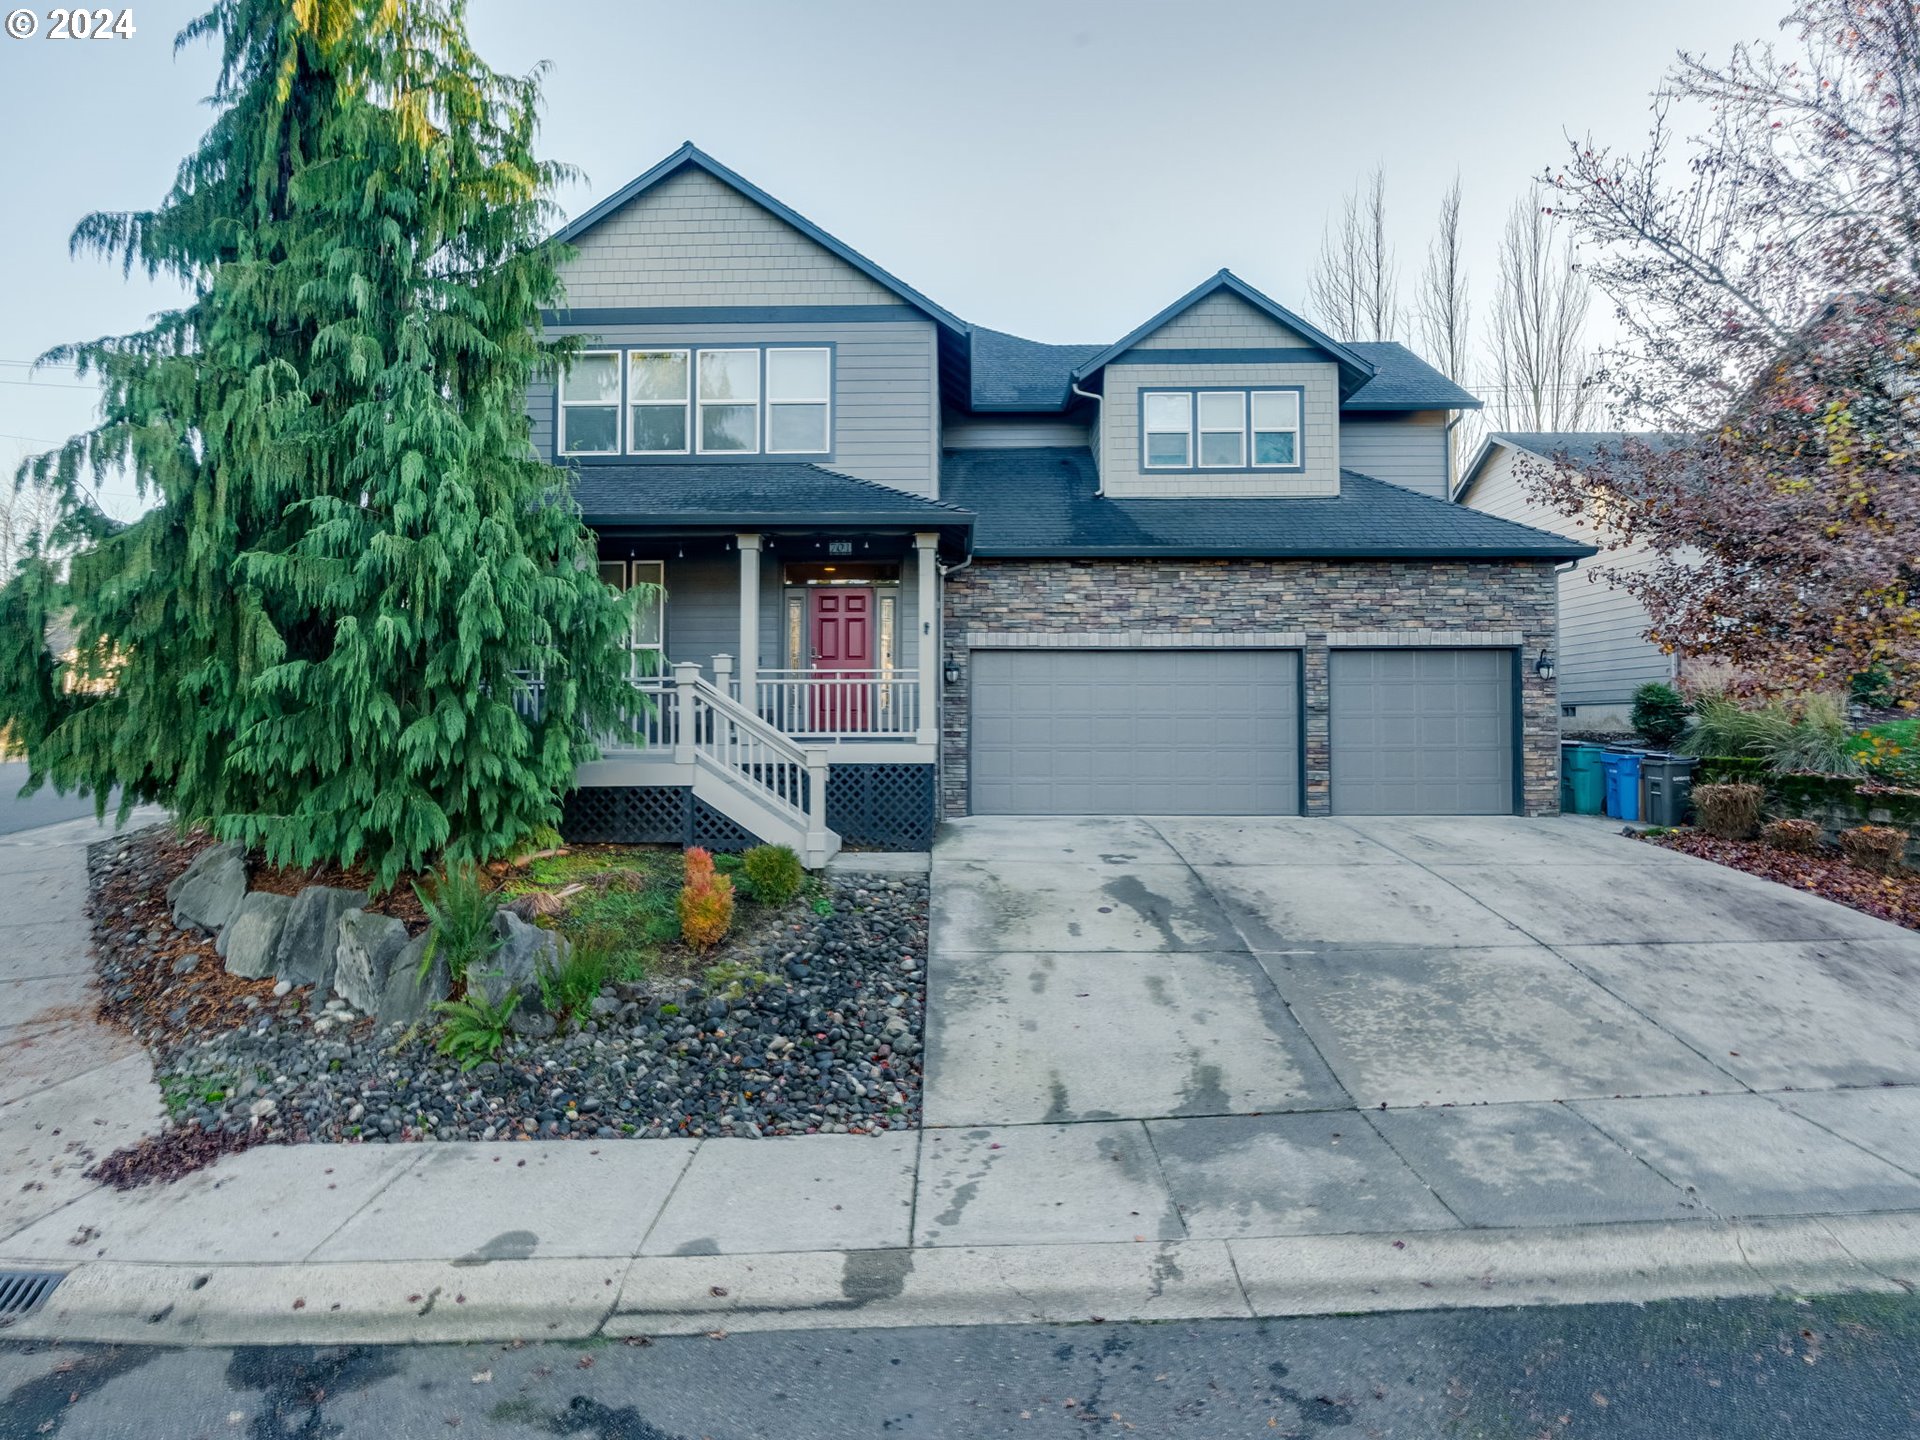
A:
(1543, 667)
(953, 671)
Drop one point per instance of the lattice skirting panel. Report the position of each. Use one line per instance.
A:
(633, 815)
(886, 807)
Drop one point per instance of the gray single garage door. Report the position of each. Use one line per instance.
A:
(1422, 732)
(1136, 732)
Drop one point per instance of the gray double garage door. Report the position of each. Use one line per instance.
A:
(1219, 732)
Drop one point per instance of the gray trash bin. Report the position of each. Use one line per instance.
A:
(1667, 782)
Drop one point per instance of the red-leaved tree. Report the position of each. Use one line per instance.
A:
(1765, 272)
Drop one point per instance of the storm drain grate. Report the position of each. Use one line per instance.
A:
(22, 1291)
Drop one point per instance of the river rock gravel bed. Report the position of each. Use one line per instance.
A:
(833, 1046)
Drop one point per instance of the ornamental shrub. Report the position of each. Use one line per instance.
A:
(1879, 848)
(706, 902)
(1659, 714)
(1796, 837)
(774, 873)
(1730, 812)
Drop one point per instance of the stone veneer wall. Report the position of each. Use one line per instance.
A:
(1397, 601)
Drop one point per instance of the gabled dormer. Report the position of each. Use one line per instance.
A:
(1224, 393)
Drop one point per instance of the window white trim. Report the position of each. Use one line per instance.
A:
(1149, 430)
(564, 404)
(645, 641)
(823, 398)
(1246, 400)
(754, 402)
(1255, 429)
(1237, 429)
(683, 404)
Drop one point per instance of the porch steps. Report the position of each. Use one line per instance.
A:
(694, 734)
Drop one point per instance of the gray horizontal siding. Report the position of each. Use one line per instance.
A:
(1409, 450)
(1603, 654)
(884, 389)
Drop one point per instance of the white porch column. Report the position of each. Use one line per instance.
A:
(749, 620)
(926, 572)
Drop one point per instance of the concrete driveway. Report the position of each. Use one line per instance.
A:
(1237, 1028)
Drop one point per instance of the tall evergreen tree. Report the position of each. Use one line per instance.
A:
(312, 642)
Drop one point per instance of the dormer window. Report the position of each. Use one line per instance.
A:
(1218, 429)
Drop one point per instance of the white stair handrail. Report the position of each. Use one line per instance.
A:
(717, 731)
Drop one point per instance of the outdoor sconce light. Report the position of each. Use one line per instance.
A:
(1543, 667)
(953, 671)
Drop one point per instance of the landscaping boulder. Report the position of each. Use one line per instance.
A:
(209, 891)
(305, 955)
(364, 955)
(253, 935)
(406, 997)
(516, 963)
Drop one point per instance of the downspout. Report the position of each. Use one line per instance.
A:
(1099, 417)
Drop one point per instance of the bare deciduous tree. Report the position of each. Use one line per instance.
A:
(1767, 280)
(1442, 310)
(1355, 291)
(1544, 374)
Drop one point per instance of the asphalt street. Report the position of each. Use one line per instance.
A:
(1745, 1370)
(43, 807)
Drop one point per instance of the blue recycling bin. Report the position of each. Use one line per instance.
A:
(1622, 769)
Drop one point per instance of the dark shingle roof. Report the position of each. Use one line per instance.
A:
(1583, 445)
(1403, 381)
(1014, 374)
(1041, 502)
(1011, 373)
(771, 493)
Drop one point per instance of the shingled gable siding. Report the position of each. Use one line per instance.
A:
(1222, 321)
(692, 242)
(1426, 602)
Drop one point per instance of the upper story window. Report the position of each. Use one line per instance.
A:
(692, 400)
(590, 404)
(657, 401)
(1214, 429)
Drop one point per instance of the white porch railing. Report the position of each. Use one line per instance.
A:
(755, 775)
(839, 704)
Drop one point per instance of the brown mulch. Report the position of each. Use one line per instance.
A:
(1889, 897)
(140, 990)
(163, 1158)
(401, 902)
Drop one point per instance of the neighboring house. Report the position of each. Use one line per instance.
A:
(1604, 651)
(915, 567)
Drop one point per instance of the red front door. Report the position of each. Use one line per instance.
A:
(841, 625)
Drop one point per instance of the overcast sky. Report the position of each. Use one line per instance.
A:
(1059, 169)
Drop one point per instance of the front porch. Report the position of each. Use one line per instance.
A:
(793, 676)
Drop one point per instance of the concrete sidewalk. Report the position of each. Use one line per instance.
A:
(1021, 1204)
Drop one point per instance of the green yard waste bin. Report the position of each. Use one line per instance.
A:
(1667, 783)
(1589, 781)
(1567, 747)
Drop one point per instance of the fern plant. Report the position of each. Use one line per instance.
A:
(460, 910)
(569, 985)
(473, 1030)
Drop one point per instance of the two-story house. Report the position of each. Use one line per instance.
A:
(914, 567)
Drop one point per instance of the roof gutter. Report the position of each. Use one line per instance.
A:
(1099, 418)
